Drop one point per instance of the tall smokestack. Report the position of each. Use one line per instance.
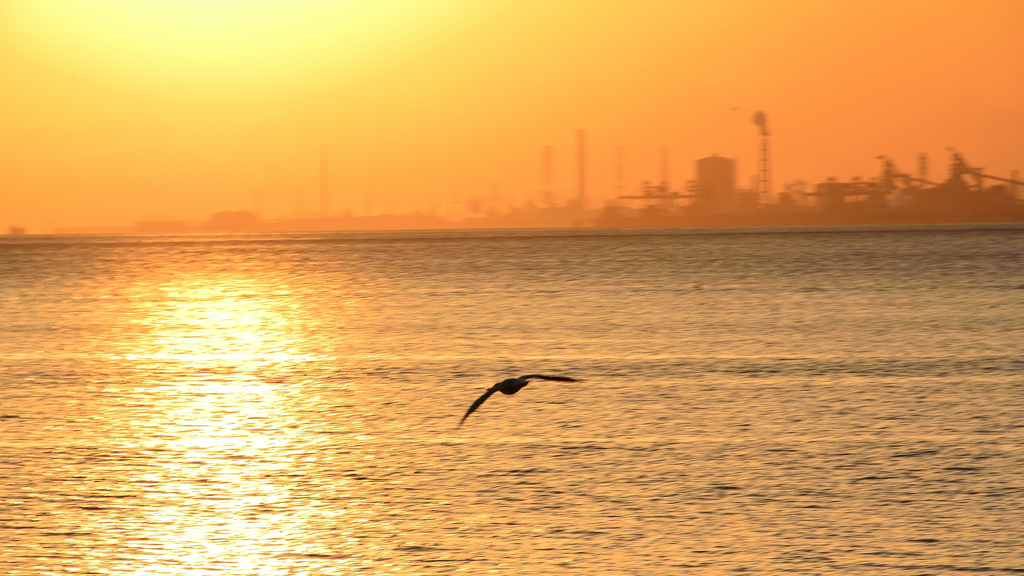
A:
(764, 178)
(581, 156)
(324, 180)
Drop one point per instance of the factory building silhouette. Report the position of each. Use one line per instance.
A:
(969, 194)
(713, 197)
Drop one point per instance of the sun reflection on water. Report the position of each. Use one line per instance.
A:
(289, 405)
(224, 433)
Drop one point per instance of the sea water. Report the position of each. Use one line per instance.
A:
(763, 401)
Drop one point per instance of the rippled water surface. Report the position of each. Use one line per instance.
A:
(762, 401)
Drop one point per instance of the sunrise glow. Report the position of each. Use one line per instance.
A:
(118, 112)
(218, 45)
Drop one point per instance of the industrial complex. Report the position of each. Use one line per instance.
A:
(965, 193)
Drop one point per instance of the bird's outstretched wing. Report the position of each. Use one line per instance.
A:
(478, 402)
(543, 377)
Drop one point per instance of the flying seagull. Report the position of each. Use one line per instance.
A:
(511, 386)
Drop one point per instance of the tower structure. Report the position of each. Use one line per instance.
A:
(764, 161)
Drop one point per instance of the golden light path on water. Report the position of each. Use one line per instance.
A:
(231, 430)
(290, 404)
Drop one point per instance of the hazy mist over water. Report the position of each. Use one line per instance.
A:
(768, 401)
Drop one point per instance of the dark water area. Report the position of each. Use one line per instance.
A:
(763, 401)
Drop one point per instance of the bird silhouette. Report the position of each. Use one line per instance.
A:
(511, 386)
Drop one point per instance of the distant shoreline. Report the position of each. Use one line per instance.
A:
(595, 219)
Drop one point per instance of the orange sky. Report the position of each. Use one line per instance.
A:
(112, 111)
